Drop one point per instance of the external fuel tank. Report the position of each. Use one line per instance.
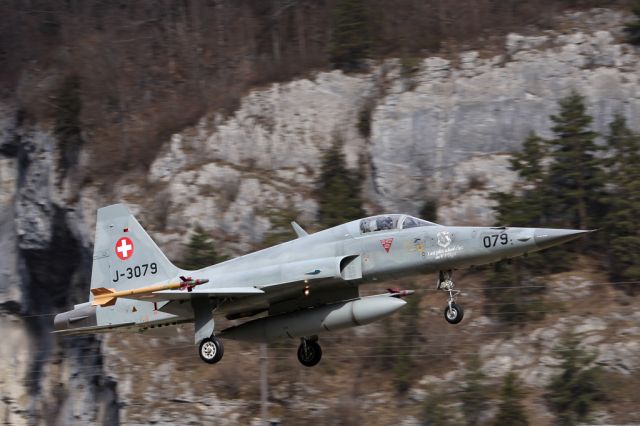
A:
(309, 322)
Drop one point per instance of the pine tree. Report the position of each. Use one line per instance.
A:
(510, 411)
(429, 210)
(529, 207)
(200, 251)
(511, 287)
(350, 39)
(571, 394)
(575, 175)
(281, 229)
(434, 413)
(515, 295)
(403, 363)
(632, 29)
(623, 201)
(562, 185)
(338, 189)
(474, 393)
(68, 127)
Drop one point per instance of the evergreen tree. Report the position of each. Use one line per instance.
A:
(429, 210)
(632, 29)
(514, 294)
(68, 128)
(571, 394)
(562, 184)
(510, 411)
(433, 411)
(474, 393)
(281, 229)
(511, 287)
(575, 175)
(350, 39)
(200, 251)
(403, 363)
(623, 201)
(528, 208)
(338, 189)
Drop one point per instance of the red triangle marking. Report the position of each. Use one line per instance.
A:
(386, 244)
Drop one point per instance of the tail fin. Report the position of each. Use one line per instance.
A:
(124, 256)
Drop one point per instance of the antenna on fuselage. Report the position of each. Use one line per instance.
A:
(298, 230)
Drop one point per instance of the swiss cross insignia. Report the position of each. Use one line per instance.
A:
(386, 244)
(124, 248)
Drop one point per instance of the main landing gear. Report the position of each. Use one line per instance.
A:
(453, 312)
(211, 350)
(309, 351)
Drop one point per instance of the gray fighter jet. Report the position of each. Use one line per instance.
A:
(297, 289)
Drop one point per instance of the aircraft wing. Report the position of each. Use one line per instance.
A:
(299, 285)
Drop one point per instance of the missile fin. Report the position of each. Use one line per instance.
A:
(101, 291)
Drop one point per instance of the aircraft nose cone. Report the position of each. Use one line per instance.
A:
(551, 237)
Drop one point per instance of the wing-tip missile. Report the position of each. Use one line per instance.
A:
(107, 296)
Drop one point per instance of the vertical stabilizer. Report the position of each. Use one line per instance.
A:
(124, 256)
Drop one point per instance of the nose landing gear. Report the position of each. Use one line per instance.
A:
(453, 312)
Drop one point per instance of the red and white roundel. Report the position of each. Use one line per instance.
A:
(124, 248)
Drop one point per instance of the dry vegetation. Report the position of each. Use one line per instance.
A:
(149, 68)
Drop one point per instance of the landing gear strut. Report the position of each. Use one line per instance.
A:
(453, 312)
(211, 350)
(309, 351)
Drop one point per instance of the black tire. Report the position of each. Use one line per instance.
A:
(453, 315)
(211, 350)
(310, 355)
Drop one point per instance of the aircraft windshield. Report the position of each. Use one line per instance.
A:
(379, 223)
(414, 222)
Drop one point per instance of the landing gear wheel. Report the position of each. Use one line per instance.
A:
(211, 350)
(453, 314)
(309, 353)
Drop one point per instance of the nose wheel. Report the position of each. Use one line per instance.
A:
(453, 312)
(309, 351)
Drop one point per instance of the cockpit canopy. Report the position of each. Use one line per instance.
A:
(391, 221)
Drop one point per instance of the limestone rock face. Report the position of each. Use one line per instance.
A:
(421, 138)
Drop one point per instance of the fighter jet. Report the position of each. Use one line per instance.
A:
(297, 289)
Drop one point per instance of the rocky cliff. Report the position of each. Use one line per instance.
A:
(45, 258)
(442, 128)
